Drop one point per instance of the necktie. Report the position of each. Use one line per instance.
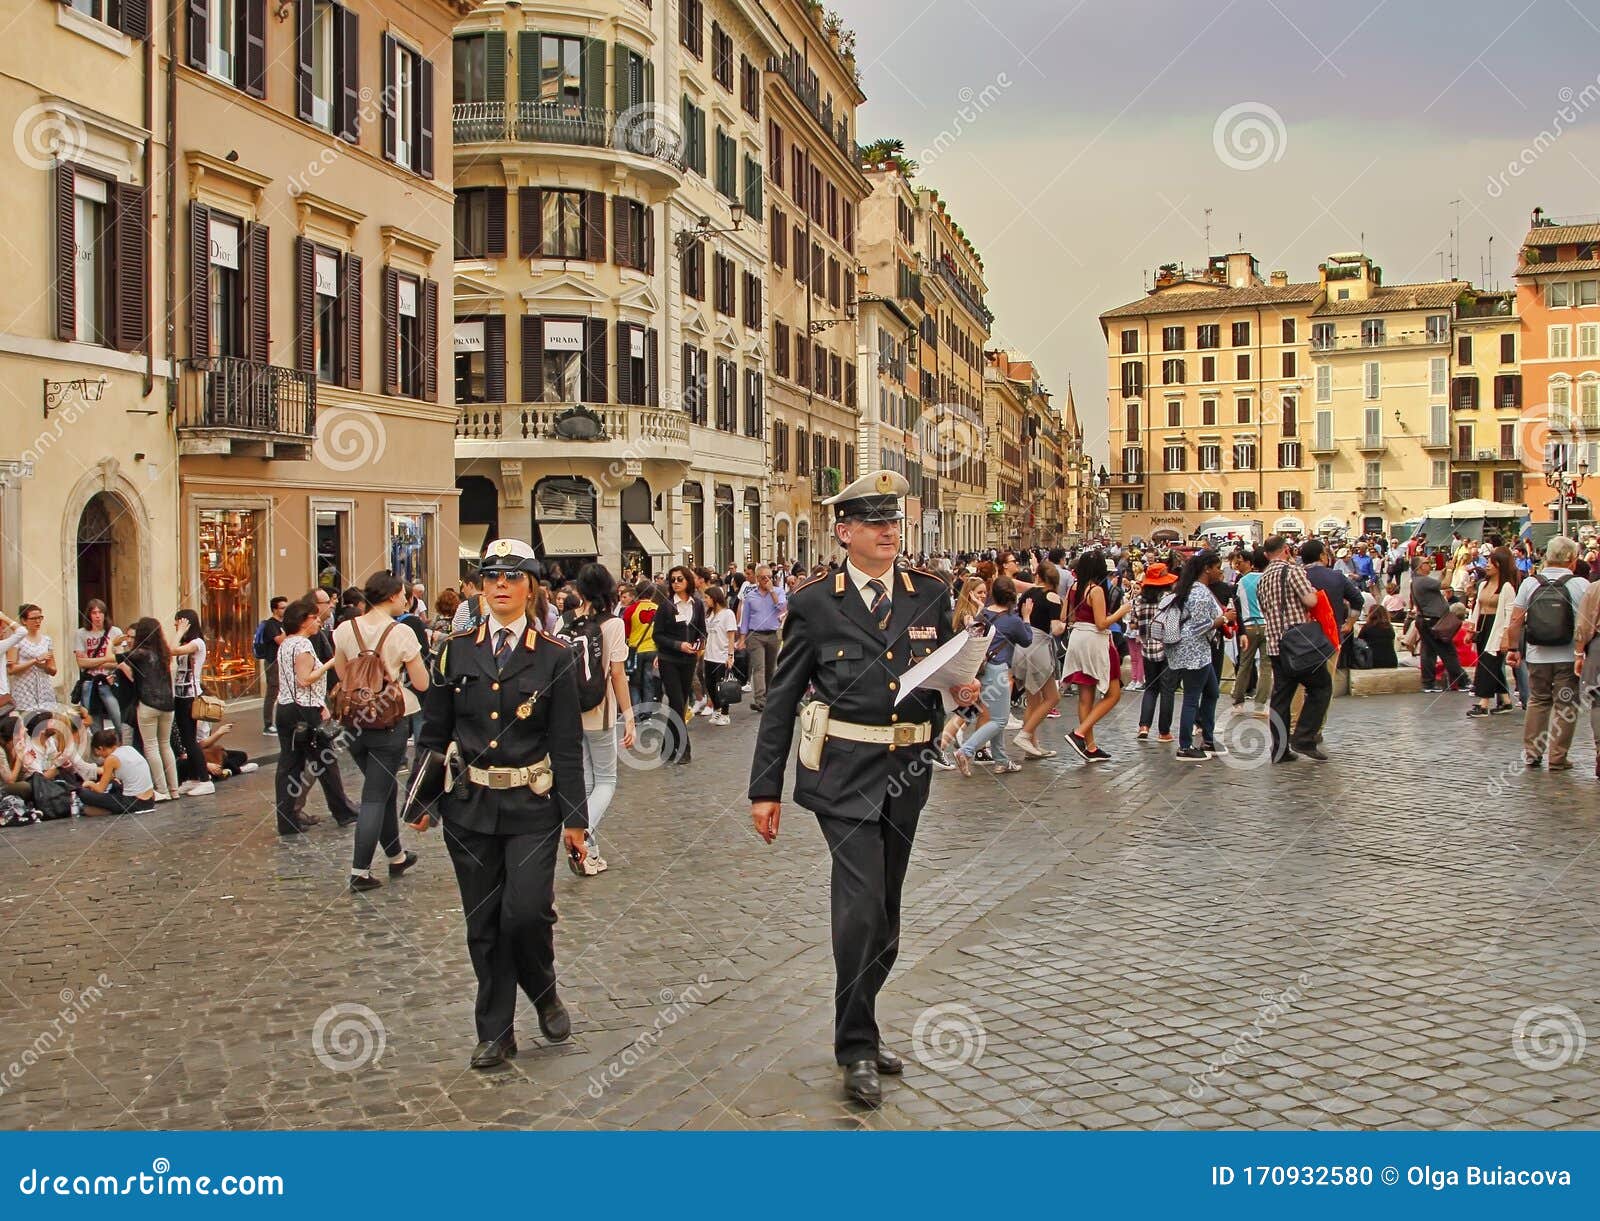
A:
(502, 645)
(880, 602)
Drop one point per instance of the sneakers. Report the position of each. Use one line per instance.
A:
(1013, 721)
(246, 768)
(1055, 714)
(1026, 744)
(1191, 754)
(204, 789)
(1501, 709)
(943, 761)
(1144, 733)
(1006, 768)
(1078, 744)
(592, 865)
(1099, 756)
(1212, 749)
(1134, 686)
(1477, 710)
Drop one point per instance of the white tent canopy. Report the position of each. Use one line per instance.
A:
(1474, 508)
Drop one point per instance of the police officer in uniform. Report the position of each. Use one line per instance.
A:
(850, 635)
(503, 770)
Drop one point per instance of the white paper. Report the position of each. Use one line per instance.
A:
(327, 275)
(224, 244)
(955, 663)
(560, 336)
(469, 336)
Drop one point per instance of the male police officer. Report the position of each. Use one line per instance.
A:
(851, 635)
(504, 771)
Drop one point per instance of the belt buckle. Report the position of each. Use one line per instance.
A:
(904, 735)
(500, 778)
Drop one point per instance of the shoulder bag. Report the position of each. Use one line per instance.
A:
(1304, 647)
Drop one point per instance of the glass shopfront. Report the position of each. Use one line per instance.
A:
(408, 547)
(332, 525)
(229, 576)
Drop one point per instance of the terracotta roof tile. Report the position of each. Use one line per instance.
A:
(1388, 298)
(1214, 299)
(1562, 235)
(1544, 269)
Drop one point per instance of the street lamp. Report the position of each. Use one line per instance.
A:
(704, 228)
(1562, 482)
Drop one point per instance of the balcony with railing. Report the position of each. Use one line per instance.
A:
(1367, 343)
(807, 91)
(1323, 443)
(1371, 494)
(637, 131)
(970, 300)
(229, 405)
(1371, 443)
(606, 431)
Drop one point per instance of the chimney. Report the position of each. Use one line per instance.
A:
(1280, 279)
(1538, 217)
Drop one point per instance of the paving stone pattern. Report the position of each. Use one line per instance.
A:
(1408, 936)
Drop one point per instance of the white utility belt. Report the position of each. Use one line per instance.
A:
(881, 735)
(538, 777)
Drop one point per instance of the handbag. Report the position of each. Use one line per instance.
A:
(730, 691)
(1304, 646)
(207, 708)
(1445, 629)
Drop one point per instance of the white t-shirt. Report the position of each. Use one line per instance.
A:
(614, 651)
(133, 772)
(1549, 654)
(189, 667)
(718, 626)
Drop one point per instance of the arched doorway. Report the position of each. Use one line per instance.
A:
(802, 543)
(480, 517)
(643, 548)
(108, 557)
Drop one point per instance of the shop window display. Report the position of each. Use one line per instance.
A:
(229, 570)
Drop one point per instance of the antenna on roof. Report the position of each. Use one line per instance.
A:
(1208, 234)
(1457, 234)
(1490, 276)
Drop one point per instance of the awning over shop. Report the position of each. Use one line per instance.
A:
(469, 532)
(648, 538)
(559, 539)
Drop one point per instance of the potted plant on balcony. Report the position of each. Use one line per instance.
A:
(814, 7)
(832, 480)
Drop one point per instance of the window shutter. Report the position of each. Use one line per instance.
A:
(347, 34)
(652, 360)
(305, 304)
(594, 226)
(592, 89)
(430, 340)
(494, 63)
(303, 66)
(530, 219)
(687, 365)
(649, 83)
(494, 358)
(350, 302)
(624, 362)
(132, 306)
(527, 66)
(532, 358)
(255, 48)
(196, 31)
(495, 223)
(596, 378)
(623, 99)
(649, 241)
(621, 246)
(258, 298)
(199, 281)
(390, 310)
(133, 18)
(425, 117)
(389, 120)
(66, 319)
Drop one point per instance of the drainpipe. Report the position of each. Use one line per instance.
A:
(149, 184)
(172, 205)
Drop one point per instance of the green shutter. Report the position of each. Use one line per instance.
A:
(594, 75)
(619, 66)
(494, 56)
(528, 65)
(649, 83)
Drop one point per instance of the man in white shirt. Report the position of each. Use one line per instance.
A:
(1553, 684)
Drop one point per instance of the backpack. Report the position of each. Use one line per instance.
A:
(583, 636)
(367, 698)
(1167, 626)
(260, 645)
(1551, 619)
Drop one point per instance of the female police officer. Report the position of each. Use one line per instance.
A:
(503, 770)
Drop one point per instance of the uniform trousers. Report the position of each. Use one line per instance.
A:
(508, 896)
(869, 872)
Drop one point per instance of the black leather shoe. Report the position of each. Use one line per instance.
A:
(360, 881)
(1288, 756)
(347, 820)
(396, 868)
(1314, 752)
(861, 1083)
(555, 1022)
(889, 1064)
(494, 1052)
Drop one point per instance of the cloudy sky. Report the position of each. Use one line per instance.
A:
(1096, 134)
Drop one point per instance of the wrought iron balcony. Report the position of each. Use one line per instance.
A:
(633, 131)
(229, 405)
(807, 90)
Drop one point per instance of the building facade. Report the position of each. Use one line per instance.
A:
(814, 194)
(1207, 377)
(1558, 302)
(952, 431)
(1486, 399)
(247, 225)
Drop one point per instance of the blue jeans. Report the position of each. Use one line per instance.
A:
(1199, 704)
(599, 774)
(997, 699)
(378, 753)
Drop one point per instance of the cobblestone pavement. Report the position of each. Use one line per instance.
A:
(1408, 936)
